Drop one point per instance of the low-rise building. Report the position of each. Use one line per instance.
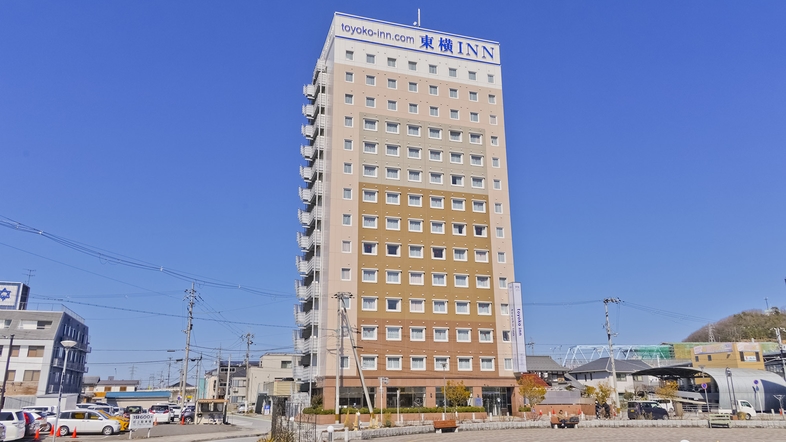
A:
(599, 371)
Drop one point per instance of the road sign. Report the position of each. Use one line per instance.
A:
(140, 420)
(704, 385)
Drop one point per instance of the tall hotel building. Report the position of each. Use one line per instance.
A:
(406, 209)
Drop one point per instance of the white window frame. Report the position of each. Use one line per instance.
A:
(388, 363)
(373, 329)
(415, 301)
(481, 306)
(412, 281)
(489, 333)
(389, 328)
(446, 330)
(374, 245)
(415, 225)
(369, 298)
(387, 309)
(416, 247)
(438, 274)
(412, 334)
(371, 274)
(468, 335)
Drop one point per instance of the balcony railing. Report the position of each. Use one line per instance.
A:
(306, 267)
(310, 91)
(308, 217)
(306, 292)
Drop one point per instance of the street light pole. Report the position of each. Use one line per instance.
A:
(732, 393)
(444, 388)
(67, 344)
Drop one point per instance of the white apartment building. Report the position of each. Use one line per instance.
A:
(406, 210)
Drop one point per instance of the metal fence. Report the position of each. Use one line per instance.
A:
(288, 424)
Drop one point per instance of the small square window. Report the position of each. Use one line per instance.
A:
(481, 256)
(413, 130)
(413, 108)
(480, 231)
(435, 155)
(493, 120)
(440, 306)
(392, 173)
(349, 99)
(371, 102)
(369, 221)
(415, 278)
(393, 305)
(350, 55)
(479, 206)
(391, 62)
(438, 252)
(476, 160)
(370, 196)
(435, 133)
(492, 99)
(368, 332)
(472, 75)
(437, 202)
(457, 204)
(456, 157)
(413, 152)
(369, 275)
(495, 162)
(370, 58)
(460, 281)
(413, 87)
(348, 168)
(349, 77)
(478, 182)
(391, 150)
(498, 208)
(391, 83)
(497, 184)
(415, 251)
(369, 248)
(347, 144)
(484, 308)
(474, 117)
(417, 334)
(412, 65)
(485, 336)
(368, 362)
(452, 72)
(437, 227)
(370, 171)
(415, 200)
(503, 284)
(391, 127)
(432, 69)
(393, 223)
(433, 90)
(393, 362)
(369, 304)
(459, 254)
(482, 282)
(346, 219)
(440, 335)
(415, 225)
(347, 121)
(433, 111)
(490, 78)
(347, 194)
(462, 307)
(455, 135)
(457, 180)
(393, 249)
(454, 114)
(414, 175)
(370, 147)
(504, 309)
(508, 364)
(346, 274)
(392, 106)
(371, 80)
(393, 277)
(487, 364)
(500, 232)
(501, 257)
(475, 139)
(494, 140)
(473, 96)
(417, 305)
(369, 124)
(453, 93)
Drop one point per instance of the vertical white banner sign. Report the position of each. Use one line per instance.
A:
(518, 341)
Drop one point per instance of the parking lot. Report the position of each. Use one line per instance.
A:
(174, 432)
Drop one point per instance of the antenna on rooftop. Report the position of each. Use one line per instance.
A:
(417, 23)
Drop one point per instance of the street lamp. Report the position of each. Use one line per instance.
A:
(68, 344)
(444, 388)
(732, 393)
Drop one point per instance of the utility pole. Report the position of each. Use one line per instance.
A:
(168, 373)
(357, 360)
(248, 337)
(133, 370)
(5, 373)
(614, 393)
(227, 394)
(217, 391)
(339, 346)
(190, 295)
(711, 334)
(30, 274)
(196, 377)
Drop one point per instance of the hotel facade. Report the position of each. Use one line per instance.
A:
(405, 220)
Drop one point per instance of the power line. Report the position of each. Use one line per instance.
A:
(115, 258)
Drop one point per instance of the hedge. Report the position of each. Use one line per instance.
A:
(364, 410)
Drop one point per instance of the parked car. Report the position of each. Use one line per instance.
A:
(43, 411)
(31, 424)
(124, 421)
(646, 410)
(14, 421)
(174, 411)
(84, 421)
(241, 408)
(133, 409)
(2, 432)
(188, 414)
(161, 413)
(43, 424)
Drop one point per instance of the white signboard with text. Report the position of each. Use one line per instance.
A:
(518, 341)
(140, 421)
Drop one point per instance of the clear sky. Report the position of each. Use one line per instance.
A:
(645, 140)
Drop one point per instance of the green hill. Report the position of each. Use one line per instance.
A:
(744, 326)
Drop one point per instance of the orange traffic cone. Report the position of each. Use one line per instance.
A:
(51, 430)
(155, 421)
(38, 433)
(73, 434)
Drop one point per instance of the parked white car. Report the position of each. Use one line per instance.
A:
(84, 421)
(14, 421)
(161, 413)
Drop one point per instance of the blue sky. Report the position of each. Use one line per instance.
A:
(645, 139)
